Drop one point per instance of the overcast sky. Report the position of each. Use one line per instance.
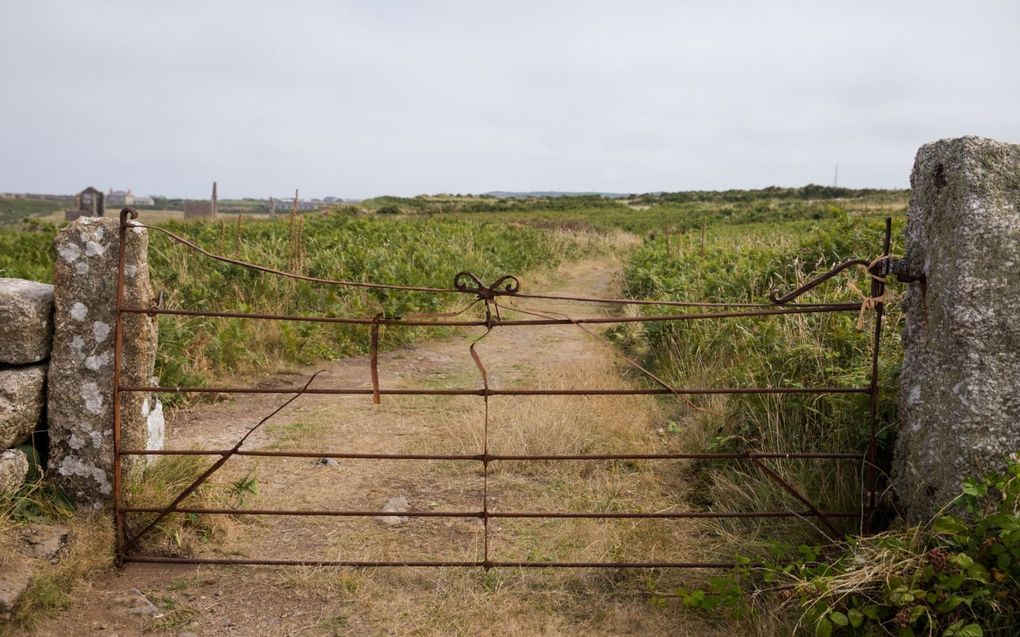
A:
(356, 99)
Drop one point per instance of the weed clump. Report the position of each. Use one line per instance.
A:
(958, 576)
(181, 534)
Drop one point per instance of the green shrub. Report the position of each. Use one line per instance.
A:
(958, 576)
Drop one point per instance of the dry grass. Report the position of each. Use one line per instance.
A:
(144, 216)
(8, 541)
(88, 552)
(155, 485)
(558, 425)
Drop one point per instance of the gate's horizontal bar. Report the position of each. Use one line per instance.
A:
(159, 559)
(298, 512)
(665, 515)
(812, 455)
(679, 515)
(498, 392)
(492, 564)
(492, 457)
(688, 316)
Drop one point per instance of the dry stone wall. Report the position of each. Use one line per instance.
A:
(26, 331)
(26, 321)
(56, 364)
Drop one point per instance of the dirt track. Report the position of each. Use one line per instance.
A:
(326, 601)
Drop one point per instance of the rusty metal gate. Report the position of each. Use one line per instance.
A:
(490, 297)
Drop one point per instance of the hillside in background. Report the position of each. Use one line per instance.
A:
(15, 209)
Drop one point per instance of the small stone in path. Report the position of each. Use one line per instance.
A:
(396, 504)
(137, 604)
(327, 462)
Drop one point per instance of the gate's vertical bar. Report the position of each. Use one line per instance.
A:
(485, 481)
(118, 345)
(877, 291)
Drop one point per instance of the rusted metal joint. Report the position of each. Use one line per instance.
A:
(879, 268)
(470, 284)
(901, 269)
(127, 213)
(157, 304)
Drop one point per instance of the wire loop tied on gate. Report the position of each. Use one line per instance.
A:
(471, 284)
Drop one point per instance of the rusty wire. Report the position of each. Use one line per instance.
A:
(468, 283)
(509, 287)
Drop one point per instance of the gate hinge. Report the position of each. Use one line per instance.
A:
(899, 267)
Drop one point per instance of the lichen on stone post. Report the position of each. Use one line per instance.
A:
(80, 402)
(960, 385)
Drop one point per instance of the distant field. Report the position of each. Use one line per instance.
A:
(664, 213)
(155, 216)
(145, 216)
(15, 210)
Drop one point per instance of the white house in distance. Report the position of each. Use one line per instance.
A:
(127, 198)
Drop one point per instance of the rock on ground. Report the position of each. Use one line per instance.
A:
(396, 504)
(136, 603)
(26, 321)
(14, 580)
(22, 396)
(960, 384)
(43, 541)
(13, 469)
(81, 363)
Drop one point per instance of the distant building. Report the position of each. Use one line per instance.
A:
(87, 203)
(120, 197)
(284, 205)
(128, 198)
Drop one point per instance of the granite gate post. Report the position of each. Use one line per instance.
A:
(81, 373)
(960, 385)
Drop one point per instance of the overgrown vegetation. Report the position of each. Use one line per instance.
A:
(417, 252)
(958, 576)
(663, 213)
(16, 209)
(744, 264)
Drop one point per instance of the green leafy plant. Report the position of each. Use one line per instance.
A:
(958, 576)
(244, 487)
